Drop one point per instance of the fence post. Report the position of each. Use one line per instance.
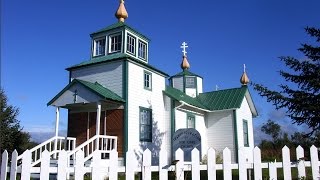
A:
(4, 165)
(45, 163)
(300, 160)
(257, 163)
(179, 165)
(26, 165)
(272, 171)
(242, 164)
(227, 171)
(79, 169)
(96, 165)
(211, 164)
(314, 162)
(286, 163)
(113, 174)
(130, 165)
(163, 162)
(13, 167)
(62, 165)
(195, 164)
(146, 165)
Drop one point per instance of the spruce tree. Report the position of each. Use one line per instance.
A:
(11, 135)
(300, 94)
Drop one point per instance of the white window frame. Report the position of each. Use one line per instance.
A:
(147, 80)
(140, 45)
(111, 43)
(191, 117)
(95, 41)
(131, 38)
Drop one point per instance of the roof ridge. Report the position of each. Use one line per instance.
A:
(221, 90)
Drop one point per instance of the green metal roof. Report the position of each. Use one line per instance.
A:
(181, 96)
(94, 87)
(223, 99)
(112, 57)
(120, 25)
(100, 59)
(185, 73)
(215, 100)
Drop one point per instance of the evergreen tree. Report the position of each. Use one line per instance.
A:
(11, 135)
(300, 96)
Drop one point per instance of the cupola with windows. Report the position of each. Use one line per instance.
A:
(186, 81)
(119, 38)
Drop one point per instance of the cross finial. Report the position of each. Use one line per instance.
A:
(244, 67)
(184, 47)
(75, 94)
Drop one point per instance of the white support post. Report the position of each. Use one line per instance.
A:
(56, 131)
(98, 123)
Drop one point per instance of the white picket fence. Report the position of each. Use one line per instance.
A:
(102, 168)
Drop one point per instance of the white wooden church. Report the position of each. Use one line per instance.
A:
(117, 99)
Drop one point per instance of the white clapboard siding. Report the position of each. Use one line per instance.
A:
(102, 168)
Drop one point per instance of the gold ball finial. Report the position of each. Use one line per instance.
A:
(121, 13)
(185, 64)
(244, 78)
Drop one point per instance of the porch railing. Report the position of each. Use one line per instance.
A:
(53, 145)
(98, 142)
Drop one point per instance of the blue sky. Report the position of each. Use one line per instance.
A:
(41, 38)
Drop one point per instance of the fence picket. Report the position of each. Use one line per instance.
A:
(179, 165)
(257, 163)
(4, 165)
(242, 164)
(97, 170)
(300, 161)
(146, 165)
(286, 163)
(314, 162)
(113, 174)
(227, 172)
(45, 164)
(195, 164)
(26, 165)
(211, 164)
(163, 162)
(13, 167)
(130, 165)
(272, 171)
(62, 165)
(79, 169)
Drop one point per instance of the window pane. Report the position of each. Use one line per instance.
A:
(115, 43)
(131, 44)
(147, 80)
(190, 82)
(142, 51)
(100, 45)
(245, 133)
(145, 124)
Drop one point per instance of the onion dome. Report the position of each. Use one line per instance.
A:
(185, 64)
(244, 78)
(121, 13)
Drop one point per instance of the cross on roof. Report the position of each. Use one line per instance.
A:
(184, 47)
(244, 67)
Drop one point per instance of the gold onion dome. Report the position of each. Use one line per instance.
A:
(121, 13)
(185, 64)
(244, 78)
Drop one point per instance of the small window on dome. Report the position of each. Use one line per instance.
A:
(99, 46)
(190, 82)
(115, 42)
(131, 44)
(142, 50)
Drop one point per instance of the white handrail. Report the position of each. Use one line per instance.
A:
(105, 143)
(65, 143)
